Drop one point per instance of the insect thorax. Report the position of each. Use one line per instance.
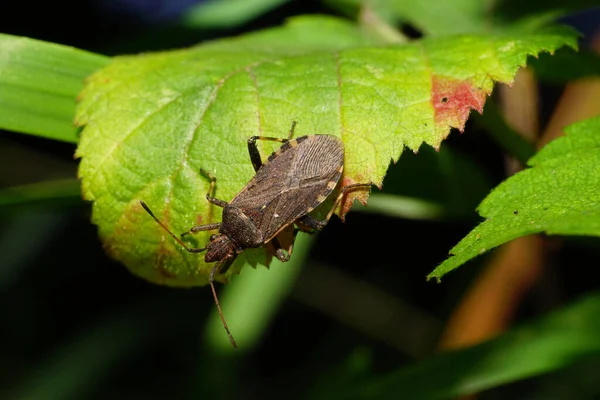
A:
(240, 229)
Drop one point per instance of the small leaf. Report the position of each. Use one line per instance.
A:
(38, 85)
(152, 121)
(559, 195)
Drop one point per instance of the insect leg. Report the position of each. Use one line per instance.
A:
(221, 267)
(221, 203)
(308, 224)
(209, 197)
(253, 150)
(279, 252)
(320, 224)
(198, 228)
(190, 249)
(224, 267)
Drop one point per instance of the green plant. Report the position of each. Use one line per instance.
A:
(147, 123)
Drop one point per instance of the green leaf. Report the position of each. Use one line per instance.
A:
(553, 342)
(227, 13)
(39, 82)
(430, 17)
(436, 18)
(441, 18)
(63, 191)
(559, 195)
(152, 121)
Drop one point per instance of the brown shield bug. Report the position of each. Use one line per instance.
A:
(292, 182)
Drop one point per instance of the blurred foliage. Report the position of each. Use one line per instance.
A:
(351, 315)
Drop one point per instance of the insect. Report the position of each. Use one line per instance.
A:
(292, 182)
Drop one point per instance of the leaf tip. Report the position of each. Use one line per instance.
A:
(433, 275)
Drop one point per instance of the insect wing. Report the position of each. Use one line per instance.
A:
(294, 180)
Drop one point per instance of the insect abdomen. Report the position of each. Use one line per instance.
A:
(295, 179)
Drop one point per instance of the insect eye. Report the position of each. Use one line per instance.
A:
(213, 237)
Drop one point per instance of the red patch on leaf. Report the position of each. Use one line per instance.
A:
(453, 100)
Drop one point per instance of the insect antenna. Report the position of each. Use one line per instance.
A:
(222, 265)
(218, 267)
(190, 249)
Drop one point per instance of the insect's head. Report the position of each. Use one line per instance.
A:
(219, 248)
